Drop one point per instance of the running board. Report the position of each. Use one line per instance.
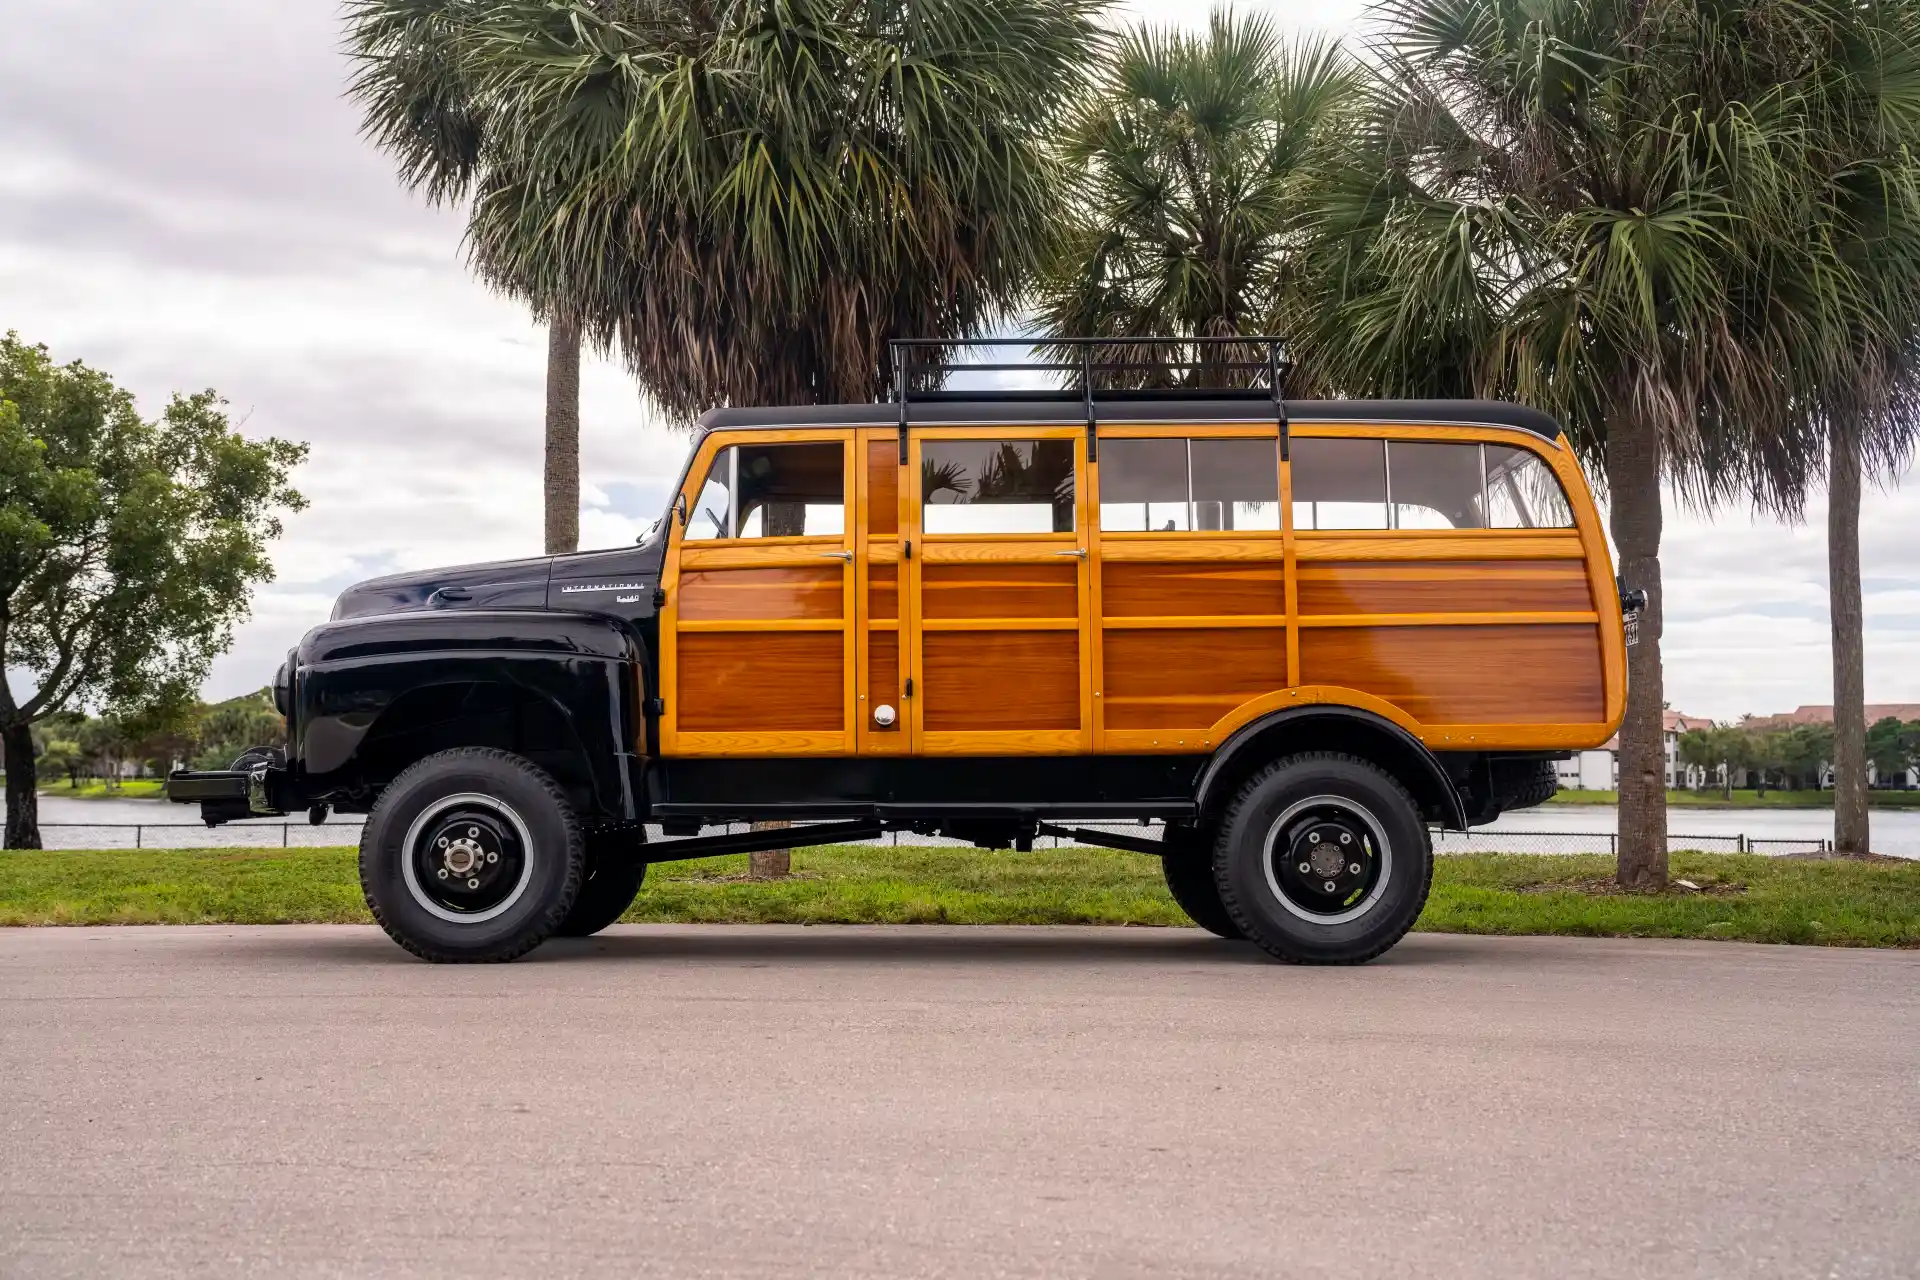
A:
(758, 841)
(1104, 839)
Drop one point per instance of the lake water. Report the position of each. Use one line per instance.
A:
(1548, 829)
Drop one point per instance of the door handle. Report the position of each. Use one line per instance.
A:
(1077, 551)
(837, 555)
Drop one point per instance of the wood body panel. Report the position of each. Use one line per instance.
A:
(1164, 589)
(1520, 675)
(1000, 590)
(883, 592)
(998, 681)
(761, 682)
(800, 591)
(1464, 586)
(882, 499)
(1188, 679)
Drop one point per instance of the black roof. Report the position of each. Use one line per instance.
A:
(1027, 406)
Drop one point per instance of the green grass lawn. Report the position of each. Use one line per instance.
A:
(1748, 799)
(1744, 896)
(97, 789)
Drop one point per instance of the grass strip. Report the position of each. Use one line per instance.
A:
(1714, 799)
(1743, 896)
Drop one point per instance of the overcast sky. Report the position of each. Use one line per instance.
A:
(184, 202)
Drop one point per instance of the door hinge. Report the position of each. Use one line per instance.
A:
(906, 549)
(909, 689)
(656, 706)
(659, 597)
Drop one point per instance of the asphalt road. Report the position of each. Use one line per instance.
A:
(952, 1102)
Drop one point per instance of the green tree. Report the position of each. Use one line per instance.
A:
(1893, 748)
(1187, 154)
(60, 756)
(745, 199)
(128, 548)
(1594, 206)
(227, 729)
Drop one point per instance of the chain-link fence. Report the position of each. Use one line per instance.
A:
(346, 831)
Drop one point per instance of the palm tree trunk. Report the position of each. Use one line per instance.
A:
(1849, 657)
(1633, 484)
(562, 492)
(23, 797)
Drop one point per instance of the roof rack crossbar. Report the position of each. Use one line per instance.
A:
(925, 363)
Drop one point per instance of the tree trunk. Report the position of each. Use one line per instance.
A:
(770, 864)
(1849, 655)
(23, 799)
(563, 436)
(1633, 483)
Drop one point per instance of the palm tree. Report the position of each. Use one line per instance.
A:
(423, 107)
(1593, 206)
(748, 198)
(1187, 154)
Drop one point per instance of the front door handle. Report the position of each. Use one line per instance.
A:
(837, 555)
(1077, 551)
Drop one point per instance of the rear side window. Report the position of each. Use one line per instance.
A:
(1419, 484)
(1175, 485)
(997, 486)
(772, 491)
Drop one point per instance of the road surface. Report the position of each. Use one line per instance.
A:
(685, 1101)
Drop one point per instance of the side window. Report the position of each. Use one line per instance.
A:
(1435, 485)
(772, 491)
(1172, 485)
(997, 486)
(1339, 484)
(1419, 484)
(1523, 492)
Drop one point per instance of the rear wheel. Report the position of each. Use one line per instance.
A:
(1188, 867)
(1323, 859)
(471, 855)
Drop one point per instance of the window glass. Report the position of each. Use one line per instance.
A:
(783, 491)
(1339, 484)
(1523, 492)
(1236, 484)
(1143, 485)
(997, 486)
(1435, 485)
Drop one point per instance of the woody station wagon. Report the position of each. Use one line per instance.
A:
(1285, 637)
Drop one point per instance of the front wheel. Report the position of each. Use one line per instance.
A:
(471, 855)
(1323, 859)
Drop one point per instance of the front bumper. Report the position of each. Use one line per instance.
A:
(225, 795)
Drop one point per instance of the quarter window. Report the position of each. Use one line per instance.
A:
(1173, 485)
(997, 486)
(772, 491)
(1418, 484)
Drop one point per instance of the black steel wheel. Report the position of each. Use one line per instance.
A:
(1323, 859)
(471, 855)
(1188, 867)
(605, 895)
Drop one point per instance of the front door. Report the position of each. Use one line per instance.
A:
(998, 541)
(757, 651)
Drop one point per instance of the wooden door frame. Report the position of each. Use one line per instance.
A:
(867, 552)
(746, 553)
(1004, 548)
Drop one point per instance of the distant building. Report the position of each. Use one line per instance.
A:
(1822, 713)
(1598, 769)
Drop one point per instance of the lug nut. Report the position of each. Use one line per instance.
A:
(1353, 869)
(1345, 838)
(443, 873)
(493, 857)
(1329, 886)
(473, 832)
(1304, 868)
(443, 842)
(473, 884)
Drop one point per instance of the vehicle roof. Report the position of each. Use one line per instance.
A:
(944, 407)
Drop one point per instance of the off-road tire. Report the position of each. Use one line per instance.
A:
(1188, 867)
(609, 889)
(1247, 880)
(554, 856)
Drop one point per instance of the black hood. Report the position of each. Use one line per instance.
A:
(499, 584)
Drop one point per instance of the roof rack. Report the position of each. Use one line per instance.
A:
(922, 361)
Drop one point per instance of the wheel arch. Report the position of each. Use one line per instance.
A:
(1330, 727)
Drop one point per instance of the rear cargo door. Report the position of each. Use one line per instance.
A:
(997, 581)
(757, 643)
